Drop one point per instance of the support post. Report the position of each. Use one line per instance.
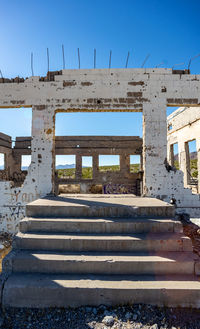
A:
(78, 166)
(95, 165)
(154, 147)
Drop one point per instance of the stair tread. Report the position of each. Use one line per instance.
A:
(98, 201)
(173, 256)
(93, 236)
(174, 282)
(104, 220)
(68, 290)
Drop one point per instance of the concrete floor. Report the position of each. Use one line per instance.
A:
(88, 200)
(97, 205)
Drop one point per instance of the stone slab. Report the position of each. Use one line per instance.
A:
(100, 225)
(135, 263)
(111, 242)
(98, 206)
(40, 291)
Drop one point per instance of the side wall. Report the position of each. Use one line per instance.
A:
(184, 126)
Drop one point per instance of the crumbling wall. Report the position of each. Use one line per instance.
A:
(147, 90)
(184, 126)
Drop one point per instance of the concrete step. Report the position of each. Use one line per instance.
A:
(42, 290)
(99, 206)
(111, 242)
(105, 263)
(100, 225)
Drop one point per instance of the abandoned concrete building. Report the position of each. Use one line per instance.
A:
(183, 128)
(78, 223)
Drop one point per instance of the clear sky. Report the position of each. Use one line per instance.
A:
(168, 30)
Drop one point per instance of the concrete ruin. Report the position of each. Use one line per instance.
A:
(184, 127)
(120, 181)
(148, 91)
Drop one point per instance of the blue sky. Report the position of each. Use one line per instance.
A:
(167, 30)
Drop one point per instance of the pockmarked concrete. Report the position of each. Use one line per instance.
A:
(148, 91)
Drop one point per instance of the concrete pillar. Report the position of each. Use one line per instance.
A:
(125, 164)
(171, 155)
(95, 164)
(141, 162)
(154, 147)
(78, 166)
(43, 149)
(183, 160)
(198, 161)
(187, 163)
(15, 163)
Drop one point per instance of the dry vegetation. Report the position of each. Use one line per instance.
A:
(87, 171)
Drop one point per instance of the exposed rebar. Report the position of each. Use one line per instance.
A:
(127, 60)
(110, 59)
(63, 56)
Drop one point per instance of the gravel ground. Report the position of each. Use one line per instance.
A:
(136, 316)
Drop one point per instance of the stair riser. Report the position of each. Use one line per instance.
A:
(87, 227)
(58, 296)
(104, 268)
(121, 211)
(103, 245)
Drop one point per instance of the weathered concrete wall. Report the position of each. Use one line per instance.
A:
(93, 146)
(183, 127)
(147, 90)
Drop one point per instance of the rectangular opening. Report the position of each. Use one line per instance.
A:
(25, 162)
(100, 141)
(109, 163)
(66, 166)
(87, 168)
(135, 163)
(175, 156)
(169, 127)
(2, 161)
(193, 160)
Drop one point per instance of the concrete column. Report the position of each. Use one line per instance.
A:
(154, 147)
(15, 163)
(95, 164)
(198, 161)
(42, 167)
(183, 160)
(78, 166)
(187, 164)
(171, 155)
(125, 164)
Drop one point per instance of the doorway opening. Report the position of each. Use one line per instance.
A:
(102, 162)
(192, 168)
(16, 150)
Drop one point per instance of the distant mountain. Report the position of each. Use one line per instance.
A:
(193, 155)
(66, 166)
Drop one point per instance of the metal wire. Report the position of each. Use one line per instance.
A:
(191, 59)
(127, 60)
(79, 61)
(145, 60)
(47, 59)
(94, 58)
(32, 64)
(110, 59)
(63, 56)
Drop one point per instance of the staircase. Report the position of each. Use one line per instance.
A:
(61, 258)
